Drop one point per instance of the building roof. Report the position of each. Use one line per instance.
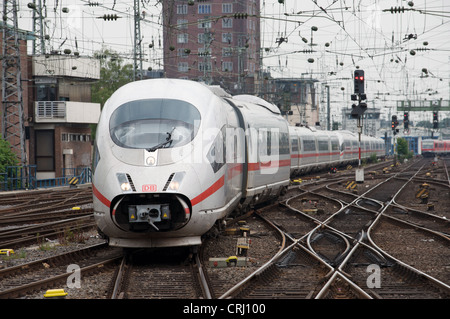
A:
(24, 34)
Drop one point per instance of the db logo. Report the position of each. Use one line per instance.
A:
(149, 188)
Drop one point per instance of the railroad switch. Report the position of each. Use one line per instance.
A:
(232, 261)
(243, 244)
(423, 193)
(244, 229)
(6, 251)
(55, 294)
(424, 198)
(232, 231)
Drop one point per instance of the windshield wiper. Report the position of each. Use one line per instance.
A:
(168, 140)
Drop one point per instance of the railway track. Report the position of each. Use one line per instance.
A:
(322, 241)
(37, 276)
(29, 217)
(164, 274)
(330, 238)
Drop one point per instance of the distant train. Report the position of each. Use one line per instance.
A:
(431, 148)
(175, 157)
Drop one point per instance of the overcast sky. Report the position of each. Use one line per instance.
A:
(392, 48)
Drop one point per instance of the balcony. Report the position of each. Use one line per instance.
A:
(66, 112)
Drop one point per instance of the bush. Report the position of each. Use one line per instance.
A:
(403, 150)
(7, 157)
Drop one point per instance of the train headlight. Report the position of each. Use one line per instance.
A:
(175, 182)
(150, 161)
(174, 185)
(126, 187)
(124, 183)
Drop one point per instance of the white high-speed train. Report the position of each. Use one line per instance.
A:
(174, 157)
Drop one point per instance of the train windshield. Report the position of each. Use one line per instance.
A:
(154, 123)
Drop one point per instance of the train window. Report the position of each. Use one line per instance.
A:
(284, 143)
(96, 158)
(309, 145)
(427, 144)
(334, 144)
(323, 145)
(154, 122)
(294, 144)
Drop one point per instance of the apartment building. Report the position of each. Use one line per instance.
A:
(216, 42)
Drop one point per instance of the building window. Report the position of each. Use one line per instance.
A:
(204, 24)
(202, 66)
(227, 51)
(75, 137)
(182, 24)
(227, 37)
(227, 23)
(204, 9)
(182, 9)
(204, 51)
(201, 38)
(227, 8)
(183, 66)
(227, 66)
(183, 53)
(46, 92)
(182, 38)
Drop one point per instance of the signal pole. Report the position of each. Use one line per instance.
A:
(357, 112)
(394, 124)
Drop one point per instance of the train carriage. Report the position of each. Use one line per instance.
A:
(432, 148)
(175, 157)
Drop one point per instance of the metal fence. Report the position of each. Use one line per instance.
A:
(24, 177)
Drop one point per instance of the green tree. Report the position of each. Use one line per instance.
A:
(7, 157)
(113, 75)
(403, 150)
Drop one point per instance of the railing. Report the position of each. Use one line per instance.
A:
(18, 177)
(83, 173)
(24, 177)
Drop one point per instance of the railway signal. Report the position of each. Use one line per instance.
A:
(359, 109)
(394, 124)
(359, 81)
(435, 120)
(406, 120)
(357, 112)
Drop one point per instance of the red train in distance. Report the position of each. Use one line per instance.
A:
(432, 148)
